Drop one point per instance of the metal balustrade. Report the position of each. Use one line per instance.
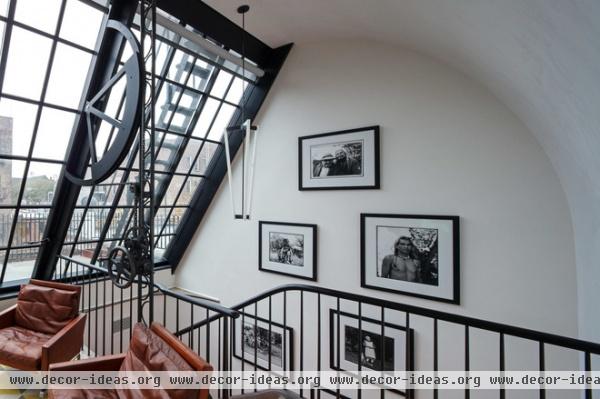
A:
(305, 327)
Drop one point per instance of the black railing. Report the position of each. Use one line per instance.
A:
(328, 323)
(112, 311)
(305, 327)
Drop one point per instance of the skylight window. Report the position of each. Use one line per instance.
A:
(48, 59)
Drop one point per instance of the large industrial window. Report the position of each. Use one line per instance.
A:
(47, 48)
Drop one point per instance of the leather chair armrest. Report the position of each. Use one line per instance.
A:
(7, 317)
(102, 363)
(65, 344)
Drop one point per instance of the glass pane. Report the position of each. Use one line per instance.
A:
(221, 122)
(180, 66)
(20, 263)
(67, 79)
(221, 84)
(200, 75)
(81, 24)
(74, 225)
(11, 175)
(16, 133)
(174, 186)
(27, 64)
(119, 223)
(42, 15)
(206, 118)
(4, 7)
(204, 159)
(53, 134)
(165, 104)
(171, 224)
(188, 191)
(167, 153)
(6, 219)
(161, 245)
(41, 183)
(235, 92)
(30, 226)
(92, 224)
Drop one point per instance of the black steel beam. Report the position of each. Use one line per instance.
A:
(209, 22)
(217, 168)
(105, 64)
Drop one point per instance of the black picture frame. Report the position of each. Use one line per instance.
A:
(306, 268)
(437, 275)
(361, 171)
(374, 328)
(287, 356)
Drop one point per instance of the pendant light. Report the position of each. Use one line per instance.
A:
(250, 138)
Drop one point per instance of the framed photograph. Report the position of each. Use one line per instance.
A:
(374, 346)
(269, 346)
(347, 159)
(411, 254)
(288, 248)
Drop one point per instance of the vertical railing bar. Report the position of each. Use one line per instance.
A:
(112, 317)
(318, 340)
(542, 357)
(96, 309)
(409, 392)
(435, 356)
(301, 334)
(242, 342)
(270, 331)
(219, 345)
(177, 314)
(121, 322)
(338, 350)
(225, 353)
(103, 317)
(191, 337)
(285, 358)
(502, 366)
(382, 391)
(131, 308)
(360, 349)
(467, 361)
(164, 310)
(208, 337)
(89, 321)
(588, 368)
(255, 340)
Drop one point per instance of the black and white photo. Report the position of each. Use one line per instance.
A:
(288, 248)
(269, 346)
(347, 159)
(411, 254)
(362, 346)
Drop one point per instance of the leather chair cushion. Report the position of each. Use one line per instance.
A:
(22, 348)
(148, 351)
(45, 309)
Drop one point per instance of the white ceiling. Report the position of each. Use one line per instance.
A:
(541, 58)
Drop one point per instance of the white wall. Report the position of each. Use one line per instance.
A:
(448, 147)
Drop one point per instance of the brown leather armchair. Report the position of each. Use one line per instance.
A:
(43, 327)
(153, 349)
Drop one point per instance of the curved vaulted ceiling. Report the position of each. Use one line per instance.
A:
(541, 58)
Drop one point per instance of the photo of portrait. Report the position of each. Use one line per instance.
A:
(343, 160)
(336, 159)
(286, 248)
(407, 254)
(411, 254)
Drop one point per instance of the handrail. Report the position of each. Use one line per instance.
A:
(220, 309)
(552, 339)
